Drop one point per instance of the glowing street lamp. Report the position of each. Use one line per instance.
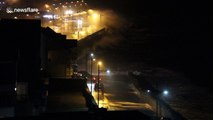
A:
(165, 92)
(46, 6)
(99, 65)
(91, 60)
(108, 71)
(68, 12)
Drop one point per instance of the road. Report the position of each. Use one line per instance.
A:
(120, 94)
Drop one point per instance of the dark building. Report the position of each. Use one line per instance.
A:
(29, 53)
(19, 63)
(60, 54)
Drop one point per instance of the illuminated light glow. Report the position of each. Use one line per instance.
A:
(79, 22)
(89, 86)
(148, 91)
(68, 12)
(99, 63)
(15, 88)
(108, 71)
(90, 11)
(83, 33)
(15, 17)
(73, 24)
(95, 15)
(165, 92)
(57, 29)
(91, 54)
(46, 6)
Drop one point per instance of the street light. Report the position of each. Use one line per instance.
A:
(158, 104)
(157, 101)
(99, 64)
(91, 60)
(108, 71)
(165, 92)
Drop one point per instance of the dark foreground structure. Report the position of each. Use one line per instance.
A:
(98, 115)
(28, 56)
(36, 77)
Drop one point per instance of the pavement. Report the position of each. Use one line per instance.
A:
(120, 95)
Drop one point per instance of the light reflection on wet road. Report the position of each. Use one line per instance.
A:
(119, 94)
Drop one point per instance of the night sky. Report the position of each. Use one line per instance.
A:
(187, 33)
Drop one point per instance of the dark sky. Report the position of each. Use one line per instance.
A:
(187, 44)
(139, 7)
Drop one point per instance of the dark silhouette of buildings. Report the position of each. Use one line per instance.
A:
(59, 55)
(28, 54)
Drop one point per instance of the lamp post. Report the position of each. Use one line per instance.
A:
(91, 60)
(157, 101)
(158, 104)
(99, 64)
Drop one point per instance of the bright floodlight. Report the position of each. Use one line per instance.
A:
(48, 16)
(68, 12)
(91, 54)
(99, 63)
(148, 91)
(108, 71)
(165, 92)
(95, 15)
(46, 6)
(79, 22)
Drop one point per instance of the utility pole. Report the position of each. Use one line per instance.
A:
(98, 82)
(86, 55)
(91, 60)
(157, 101)
(99, 64)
